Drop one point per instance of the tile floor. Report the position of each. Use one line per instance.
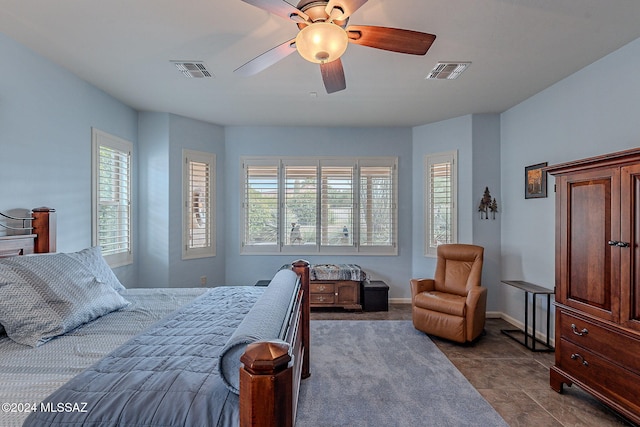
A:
(513, 379)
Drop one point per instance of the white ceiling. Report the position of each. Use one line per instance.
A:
(124, 47)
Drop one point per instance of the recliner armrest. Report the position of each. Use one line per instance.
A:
(421, 285)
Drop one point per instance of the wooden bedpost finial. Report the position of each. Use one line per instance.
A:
(266, 386)
(300, 263)
(266, 357)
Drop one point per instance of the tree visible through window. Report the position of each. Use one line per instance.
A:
(321, 205)
(377, 205)
(441, 214)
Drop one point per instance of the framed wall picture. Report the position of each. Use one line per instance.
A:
(535, 181)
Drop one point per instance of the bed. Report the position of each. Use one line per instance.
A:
(231, 355)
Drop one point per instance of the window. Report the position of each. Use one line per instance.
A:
(261, 207)
(337, 196)
(198, 237)
(111, 178)
(319, 205)
(441, 211)
(377, 206)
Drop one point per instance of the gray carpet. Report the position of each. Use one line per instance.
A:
(385, 373)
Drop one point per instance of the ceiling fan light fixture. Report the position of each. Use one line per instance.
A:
(322, 42)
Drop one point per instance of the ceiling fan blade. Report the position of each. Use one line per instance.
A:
(347, 6)
(267, 59)
(333, 76)
(280, 8)
(393, 39)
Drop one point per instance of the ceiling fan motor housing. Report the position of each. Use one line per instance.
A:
(316, 11)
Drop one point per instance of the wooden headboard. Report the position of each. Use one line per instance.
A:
(41, 239)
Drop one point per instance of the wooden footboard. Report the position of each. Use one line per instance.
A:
(270, 377)
(271, 371)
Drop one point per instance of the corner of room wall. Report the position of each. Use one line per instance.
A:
(486, 174)
(447, 135)
(192, 134)
(153, 200)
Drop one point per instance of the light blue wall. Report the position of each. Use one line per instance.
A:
(476, 138)
(46, 116)
(152, 257)
(486, 173)
(592, 112)
(448, 135)
(310, 141)
(200, 136)
(162, 139)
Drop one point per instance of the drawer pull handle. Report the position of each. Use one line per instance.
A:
(575, 356)
(618, 244)
(584, 331)
(321, 288)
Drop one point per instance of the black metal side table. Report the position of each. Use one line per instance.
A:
(530, 339)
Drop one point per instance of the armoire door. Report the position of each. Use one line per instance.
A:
(588, 268)
(630, 253)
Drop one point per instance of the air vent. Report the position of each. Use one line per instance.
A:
(192, 69)
(447, 70)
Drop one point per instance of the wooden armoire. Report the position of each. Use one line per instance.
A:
(597, 314)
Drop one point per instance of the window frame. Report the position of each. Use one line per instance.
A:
(103, 139)
(283, 245)
(372, 163)
(450, 157)
(209, 159)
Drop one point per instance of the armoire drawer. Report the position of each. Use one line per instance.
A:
(600, 374)
(607, 342)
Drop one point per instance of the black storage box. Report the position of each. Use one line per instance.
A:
(375, 296)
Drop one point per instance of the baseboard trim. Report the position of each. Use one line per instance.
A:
(492, 315)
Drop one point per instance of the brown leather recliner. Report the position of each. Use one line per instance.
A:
(452, 305)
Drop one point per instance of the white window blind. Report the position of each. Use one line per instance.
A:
(260, 206)
(112, 197)
(198, 202)
(337, 205)
(377, 206)
(300, 202)
(441, 213)
(319, 205)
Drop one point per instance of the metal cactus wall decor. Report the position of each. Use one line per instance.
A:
(487, 205)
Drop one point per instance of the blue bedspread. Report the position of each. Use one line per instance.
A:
(166, 376)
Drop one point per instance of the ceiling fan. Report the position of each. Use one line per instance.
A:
(324, 36)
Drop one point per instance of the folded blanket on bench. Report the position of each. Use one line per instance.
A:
(337, 272)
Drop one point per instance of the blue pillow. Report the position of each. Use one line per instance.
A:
(43, 296)
(93, 260)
